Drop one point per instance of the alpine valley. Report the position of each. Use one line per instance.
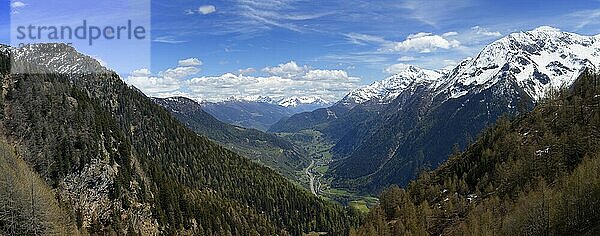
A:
(259, 112)
(388, 132)
(504, 143)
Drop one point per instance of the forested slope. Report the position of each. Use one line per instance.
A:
(538, 174)
(265, 148)
(118, 163)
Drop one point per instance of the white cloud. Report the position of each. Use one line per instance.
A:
(396, 68)
(451, 33)
(486, 32)
(432, 12)
(449, 62)
(153, 85)
(584, 18)
(370, 58)
(255, 16)
(168, 39)
(190, 62)
(285, 80)
(363, 39)
(207, 9)
(422, 43)
(180, 72)
(17, 4)
(406, 58)
(204, 10)
(290, 69)
(167, 81)
(326, 84)
(247, 71)
(141, 73)
(143, 80)
(327, 75)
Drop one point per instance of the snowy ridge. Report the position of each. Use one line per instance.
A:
(298, 101)
(537, 60)
(252, 98)
(294, 104)
(54, 58)
(288, 102)
(386, 90)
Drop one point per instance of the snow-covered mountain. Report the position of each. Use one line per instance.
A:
(53, 58)
(290, 102)
(538, 60)
(388, 89)
(252, 98)
(299, 101)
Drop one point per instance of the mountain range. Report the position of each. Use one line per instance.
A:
(388, 132)
(259, 112)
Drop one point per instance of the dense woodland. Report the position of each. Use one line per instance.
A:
(115, 162)
(536, 174)
(265, 148)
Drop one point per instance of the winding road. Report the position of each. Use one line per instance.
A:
(311, 176)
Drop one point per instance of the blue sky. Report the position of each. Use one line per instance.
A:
(211, 50)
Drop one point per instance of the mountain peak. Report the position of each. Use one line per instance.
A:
(386, 90)
(537, 60)
(296, 101)
(55, 58)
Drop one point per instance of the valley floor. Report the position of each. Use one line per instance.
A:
(318, 149)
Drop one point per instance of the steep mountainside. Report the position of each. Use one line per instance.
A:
(119, 163)
(358, 106)
(27, 204)
(265, 148)
(426, 115)
(390, 88)
(535, 175)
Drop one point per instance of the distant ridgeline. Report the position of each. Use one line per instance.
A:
(536, 174)
(85, 153)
